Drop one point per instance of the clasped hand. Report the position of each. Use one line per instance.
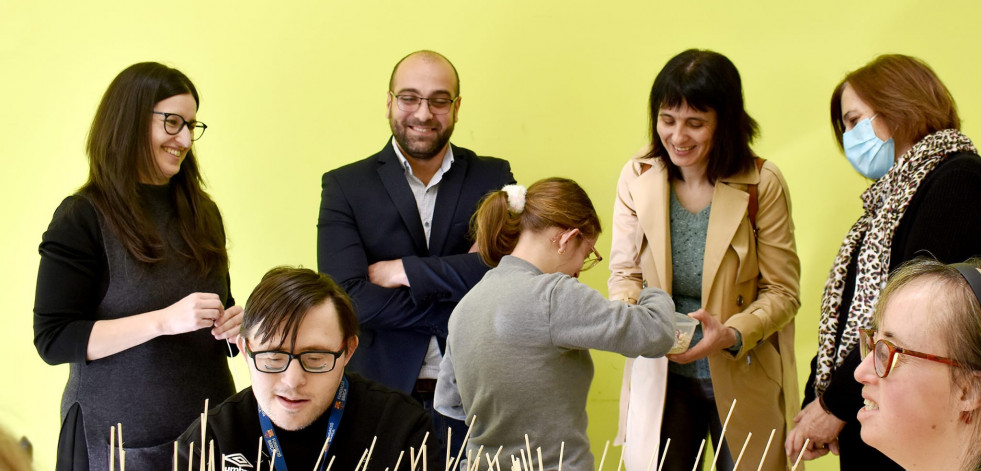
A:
(388, 273)
(822, 428)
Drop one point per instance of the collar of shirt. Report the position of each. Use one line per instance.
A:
(445, 167)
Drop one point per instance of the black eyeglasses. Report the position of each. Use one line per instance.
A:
(410, 103)
(173, 123)
(277, 361)
(885, 353)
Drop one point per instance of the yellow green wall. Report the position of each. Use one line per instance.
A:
(291, 89)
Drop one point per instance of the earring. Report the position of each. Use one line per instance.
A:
(561, 251)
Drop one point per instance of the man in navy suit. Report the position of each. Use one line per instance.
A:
(394, 231)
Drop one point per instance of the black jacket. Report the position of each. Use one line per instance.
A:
(943, 220)
(372, 410)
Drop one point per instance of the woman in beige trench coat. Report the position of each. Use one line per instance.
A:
(750, 276)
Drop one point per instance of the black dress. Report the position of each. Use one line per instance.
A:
(154, 389)
(943, 220)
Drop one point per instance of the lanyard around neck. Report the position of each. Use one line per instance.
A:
(272, 443)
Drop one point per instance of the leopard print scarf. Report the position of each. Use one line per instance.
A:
(884, 203)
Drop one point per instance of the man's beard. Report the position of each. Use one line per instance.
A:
(420, 149)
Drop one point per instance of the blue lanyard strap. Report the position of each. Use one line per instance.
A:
(272, 443)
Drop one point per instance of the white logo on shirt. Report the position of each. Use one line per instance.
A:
(238, 462)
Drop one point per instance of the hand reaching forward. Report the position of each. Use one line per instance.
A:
(715, 336)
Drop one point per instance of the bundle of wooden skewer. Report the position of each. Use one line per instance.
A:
(418, 460)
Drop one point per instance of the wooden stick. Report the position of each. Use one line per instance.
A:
(463, 446)
(539, 450)
(469, 459)
(722, 436)
(763, 458)
(561, 452)
(603, 459)
(331, 463)
(650, 463)
(425, 460)
(398, 461)
(122, 452)
(421, 447)
(320, 457)
(524, 461)
(664, 456)
(449, 441)
(742, 451)
(412, 458)
(801, 454)
(477, 465)
(620, 463)
(190, 456)
(531, 459)
(496, 455)
(203, 446)
(698, 457)
(258, 457)
(112, 448)
(356, 468)
(211, 455)
(204, 426)
(175, 455)
(370, 451)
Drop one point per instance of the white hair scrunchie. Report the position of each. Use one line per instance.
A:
(516, 197)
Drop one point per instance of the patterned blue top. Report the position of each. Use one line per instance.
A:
(688, 231)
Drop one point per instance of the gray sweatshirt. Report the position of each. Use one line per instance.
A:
(517, 358)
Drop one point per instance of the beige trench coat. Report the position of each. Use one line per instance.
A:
(750, 283)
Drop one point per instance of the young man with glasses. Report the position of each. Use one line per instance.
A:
(298, 333)
(394, 231)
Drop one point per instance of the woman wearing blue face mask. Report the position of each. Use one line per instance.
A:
(897, 124)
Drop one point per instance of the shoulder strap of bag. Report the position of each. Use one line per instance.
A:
(754, 198)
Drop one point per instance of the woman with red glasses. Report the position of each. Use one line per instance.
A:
(923, 410)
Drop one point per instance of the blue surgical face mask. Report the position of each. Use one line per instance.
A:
(871, 156)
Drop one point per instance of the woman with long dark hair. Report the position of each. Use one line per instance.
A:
(133, 283)
(700, 216)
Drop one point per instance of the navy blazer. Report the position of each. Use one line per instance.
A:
(368, 214)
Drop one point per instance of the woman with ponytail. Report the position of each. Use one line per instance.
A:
(517, 357)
